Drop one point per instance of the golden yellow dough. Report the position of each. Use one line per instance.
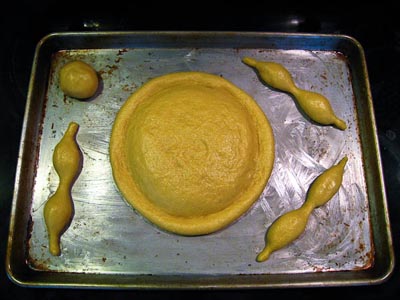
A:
(191, 152)
(78, 80)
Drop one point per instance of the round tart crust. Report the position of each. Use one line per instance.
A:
(191, 152)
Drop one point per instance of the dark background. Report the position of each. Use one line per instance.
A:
(376, 27)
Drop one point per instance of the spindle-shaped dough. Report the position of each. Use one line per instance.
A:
(292, 224)
(316, 106)
(59, 209)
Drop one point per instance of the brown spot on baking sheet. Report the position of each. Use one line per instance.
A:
(109, 69)
(122, 51)
(119, 54)
(362, 247)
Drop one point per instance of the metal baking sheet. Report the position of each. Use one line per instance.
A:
(346, 242)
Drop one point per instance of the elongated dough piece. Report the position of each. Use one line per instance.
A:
(59, 209)
(316, 106)
(291, 225)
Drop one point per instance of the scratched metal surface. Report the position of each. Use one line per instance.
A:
(107, 236)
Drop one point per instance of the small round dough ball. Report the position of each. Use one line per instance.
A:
(78, 80)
